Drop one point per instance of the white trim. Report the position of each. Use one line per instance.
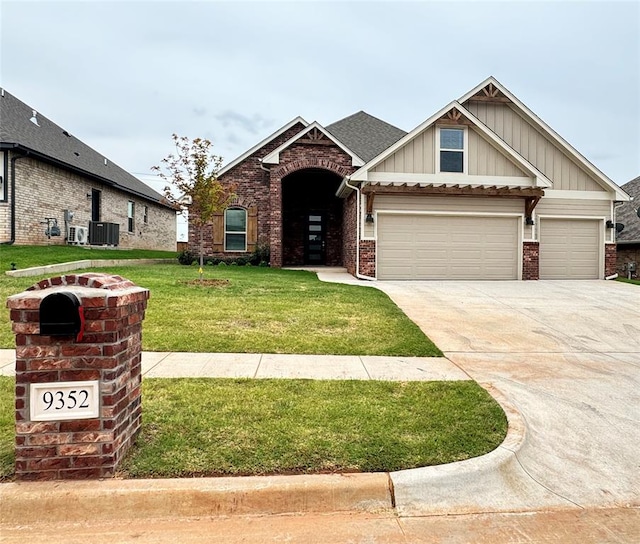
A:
(451, 179)
(577, 195)
(262, 143)
(519, 216)
(541, 180)
(620, 194)
(603, 234)
(274, 156)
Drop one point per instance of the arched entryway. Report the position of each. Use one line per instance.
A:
(311, 218)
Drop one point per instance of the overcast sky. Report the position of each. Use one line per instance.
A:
(123, 76)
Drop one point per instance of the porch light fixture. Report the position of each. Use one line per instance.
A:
(530, 221)
(369, 218)
(610, 224)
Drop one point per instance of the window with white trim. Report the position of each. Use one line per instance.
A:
(130, 215)
(235, 229)
(145, 215)
(3, 176)
(452, 150)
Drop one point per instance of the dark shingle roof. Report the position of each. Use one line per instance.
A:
(365, 135)
(56, 144)
(626, 213)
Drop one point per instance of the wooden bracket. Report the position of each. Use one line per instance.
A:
(529, 205)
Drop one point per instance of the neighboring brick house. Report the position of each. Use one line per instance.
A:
(629, 239)
(54, 189)
(483, 189)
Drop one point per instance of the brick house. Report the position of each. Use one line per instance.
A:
(54, 189)
(629, 238)
(483, 189)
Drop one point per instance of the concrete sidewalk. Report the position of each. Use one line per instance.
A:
(256, 365)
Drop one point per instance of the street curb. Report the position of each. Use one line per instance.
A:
(80, 501)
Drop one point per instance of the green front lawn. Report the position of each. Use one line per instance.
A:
(259, 310)
(215, 427)
(29, 256)
(626, 280)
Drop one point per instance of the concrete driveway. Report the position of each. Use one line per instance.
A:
(566, 355)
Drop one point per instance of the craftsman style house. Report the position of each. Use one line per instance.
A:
(54, 189)
(483, 189)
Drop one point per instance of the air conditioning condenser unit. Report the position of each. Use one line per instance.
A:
(78, 235)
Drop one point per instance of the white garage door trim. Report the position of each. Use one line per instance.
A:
(601, 234)
(517, 217)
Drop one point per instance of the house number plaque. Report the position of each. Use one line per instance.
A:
(64, 400)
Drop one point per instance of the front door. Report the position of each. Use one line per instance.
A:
(314, 239)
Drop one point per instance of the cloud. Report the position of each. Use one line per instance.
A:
(254, 124)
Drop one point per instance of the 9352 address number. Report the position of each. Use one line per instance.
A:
(64, 400)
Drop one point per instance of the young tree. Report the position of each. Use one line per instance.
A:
(192, 172)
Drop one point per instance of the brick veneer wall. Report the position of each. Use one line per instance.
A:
(110, 352)
(43, 190)
(252, 185)
(531, 260)
(349, 233)
(610, 259)
(368, 258)
(628, 253)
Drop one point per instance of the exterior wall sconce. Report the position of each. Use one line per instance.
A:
(88, 196)
(529, 221)
(610, 224)
(369, 218)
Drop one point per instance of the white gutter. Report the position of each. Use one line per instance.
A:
(358, 220)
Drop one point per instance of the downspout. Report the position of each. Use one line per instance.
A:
(13, 199)
(358, 221)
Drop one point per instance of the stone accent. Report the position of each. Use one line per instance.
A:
(368, 258)
(610, 259)
(530, 260)
(349, 232)
(110, 351)
(43, 190)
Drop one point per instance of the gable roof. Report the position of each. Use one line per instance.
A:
(627, 215)
(262, 143)
(561, 142)
(540, 178)
(274, 156)
(366, 135)
(51, 143)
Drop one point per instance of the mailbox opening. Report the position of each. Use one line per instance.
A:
(61, 315)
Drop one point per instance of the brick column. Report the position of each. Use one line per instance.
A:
(368, 258)
(110, 352)
(530, 260)
(610, 259)
(275, 221)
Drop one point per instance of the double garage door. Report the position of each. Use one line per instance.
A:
(429, 247)
(434, 247)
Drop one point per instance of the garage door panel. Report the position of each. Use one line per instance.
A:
(570, 248)
(447, 247)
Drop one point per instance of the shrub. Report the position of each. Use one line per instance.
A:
(222, 263)
(261, 254)
(186, 257)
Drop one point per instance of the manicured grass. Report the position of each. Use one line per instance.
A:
(7, 426)
(259, 310)
(210, 427)
(626, 280)
(28, 256)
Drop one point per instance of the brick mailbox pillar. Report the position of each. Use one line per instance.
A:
(78, 404)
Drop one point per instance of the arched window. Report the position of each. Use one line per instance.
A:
(235, 229)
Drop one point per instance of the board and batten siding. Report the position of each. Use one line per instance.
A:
(415, 157)
(534, 146)
(418, 157)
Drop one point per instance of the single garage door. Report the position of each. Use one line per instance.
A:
(429, 247)
(569, 249)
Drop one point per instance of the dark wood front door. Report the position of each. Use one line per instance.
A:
(315, 239)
